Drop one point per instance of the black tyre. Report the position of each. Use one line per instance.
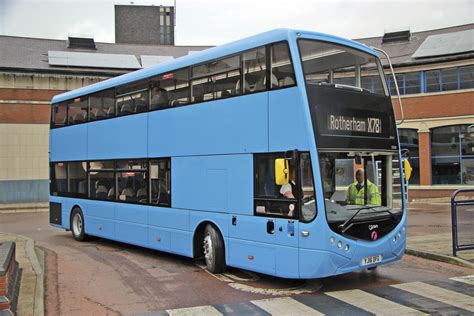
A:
(77, 225)
(213, 246)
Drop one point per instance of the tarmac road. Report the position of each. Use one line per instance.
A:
(105, 277)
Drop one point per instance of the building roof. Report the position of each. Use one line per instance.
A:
(401, 52)
(31, 54)
(21, 54)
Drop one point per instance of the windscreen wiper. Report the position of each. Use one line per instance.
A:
(389, 212)
(343, 227)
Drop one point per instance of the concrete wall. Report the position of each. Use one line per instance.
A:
(23, 162)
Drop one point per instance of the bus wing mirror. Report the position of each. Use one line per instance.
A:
(282, 171)
(407, 169)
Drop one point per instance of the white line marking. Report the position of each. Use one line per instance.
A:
(373, 303)
(468, 279)
(285, 306)
(191, 311)
(439, 294)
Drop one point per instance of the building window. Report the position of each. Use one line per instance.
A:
(449, 79)
(408, 83)
(466, 77)
(409, 142)
(452, 152)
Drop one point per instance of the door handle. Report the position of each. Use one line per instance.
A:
(270, 227)
(304, 233)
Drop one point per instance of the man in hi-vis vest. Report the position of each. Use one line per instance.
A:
(356, 191)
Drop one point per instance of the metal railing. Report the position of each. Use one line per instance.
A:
(462, 220)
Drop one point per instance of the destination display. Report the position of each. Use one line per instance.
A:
(355, 124)
(351, 119)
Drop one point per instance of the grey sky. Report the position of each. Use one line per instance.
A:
(212, 22)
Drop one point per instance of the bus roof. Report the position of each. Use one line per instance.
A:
(208, 54)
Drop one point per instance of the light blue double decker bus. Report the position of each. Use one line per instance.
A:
(277, 154)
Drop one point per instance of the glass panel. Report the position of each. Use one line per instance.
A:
(221, 83)
(468, 170)
(400, 80)
(160, 175)
(348, 184)
(170, 89)
(449, 77)
(58, 178)
(412, 83)
(466, 77)
(445, 141)
(102, 184)
(330, 64)
(133, 186)
(308, 207)
(445, 170)
(409, 141)
(59, 114)
(255, 70)
(102, 105)
(77, 177)
(432, 79)
(216, 66)
(132, 98)
(77, 110)
(282, 67)
(270, 198)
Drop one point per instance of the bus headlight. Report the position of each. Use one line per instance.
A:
(332, 240)
(339, 244)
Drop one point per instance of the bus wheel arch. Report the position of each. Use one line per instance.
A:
(208, 242)
(77, 224)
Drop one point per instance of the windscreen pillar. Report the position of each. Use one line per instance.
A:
(425, 156)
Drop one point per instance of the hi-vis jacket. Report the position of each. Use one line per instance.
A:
(355, 196)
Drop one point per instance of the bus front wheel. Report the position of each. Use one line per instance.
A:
(77, 225)
(213, 246)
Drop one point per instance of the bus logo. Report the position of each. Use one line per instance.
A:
(374, 235)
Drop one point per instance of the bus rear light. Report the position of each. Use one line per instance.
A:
(158, 239)
(250, 257)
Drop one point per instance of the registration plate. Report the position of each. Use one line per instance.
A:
(371, 260)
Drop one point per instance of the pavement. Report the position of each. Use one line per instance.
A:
(31, 297)
(429, 237)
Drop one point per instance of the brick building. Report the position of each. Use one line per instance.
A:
(435, 73)
(437, 91)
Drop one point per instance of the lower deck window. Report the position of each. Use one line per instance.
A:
(133, 181)
(293, 200)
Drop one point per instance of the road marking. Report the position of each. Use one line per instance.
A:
(373, 303)
(191, 311)
(468, 279)
(439, 294)
(285, 306)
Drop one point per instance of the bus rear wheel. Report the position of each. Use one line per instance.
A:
(213, 247)
(77, 225)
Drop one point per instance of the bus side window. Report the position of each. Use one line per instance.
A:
(102, 105)
(216, 79)
(169, 89)
(282, 67)
(59, 115)
(255, 69)
(269, 199)
(160, 179)
(77, 110)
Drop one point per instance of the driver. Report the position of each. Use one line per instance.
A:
(308, 209)
(356, 191)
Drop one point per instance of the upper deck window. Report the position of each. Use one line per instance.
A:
(339, 66)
